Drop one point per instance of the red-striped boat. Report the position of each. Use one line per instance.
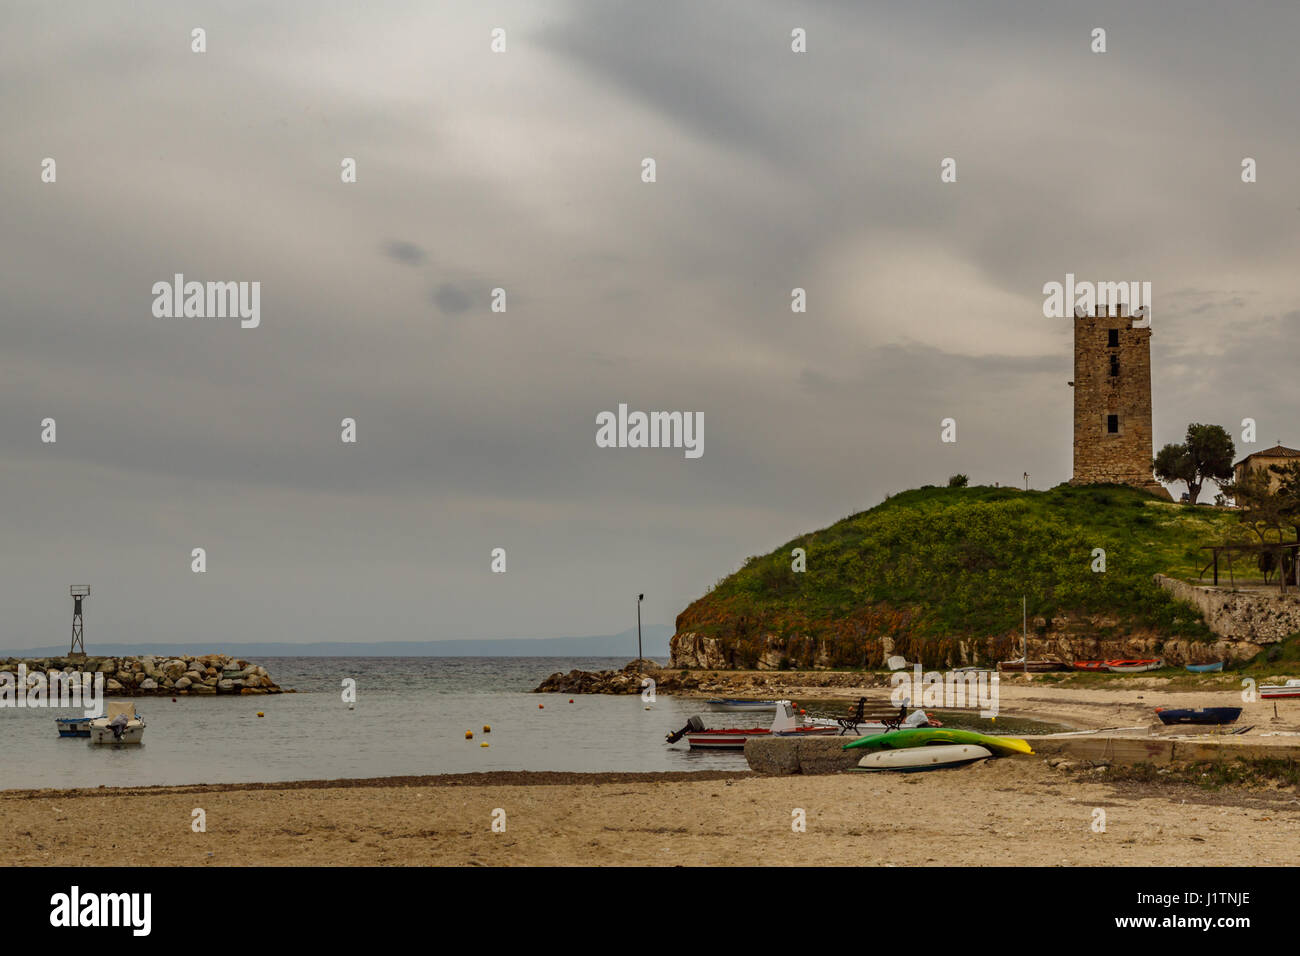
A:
(1135, 666)
(1089, 665)
(700, 737)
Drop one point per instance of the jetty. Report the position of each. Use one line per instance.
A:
(783, 756)
(154, 676)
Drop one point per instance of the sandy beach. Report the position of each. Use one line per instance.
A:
(1012, 811)
(1021, 811)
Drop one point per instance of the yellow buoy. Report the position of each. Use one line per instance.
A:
(487, 728)
(260, 714)
(485, 744)
(469, 735)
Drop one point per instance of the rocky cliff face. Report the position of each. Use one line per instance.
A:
(1061, 638)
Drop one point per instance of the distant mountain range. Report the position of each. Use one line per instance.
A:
(654, 642)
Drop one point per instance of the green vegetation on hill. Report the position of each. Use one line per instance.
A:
(936, 565)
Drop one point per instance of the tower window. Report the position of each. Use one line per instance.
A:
(1112, 338)
(1114, 365)
(1112, 424)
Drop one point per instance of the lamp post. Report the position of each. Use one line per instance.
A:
(639, 599)
(1026, 481)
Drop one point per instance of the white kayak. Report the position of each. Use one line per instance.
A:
(924, 758)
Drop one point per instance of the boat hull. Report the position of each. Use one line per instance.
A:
(912, 759)
(900, 739)
(1279, 691)
(102, 733)
(1205, 668)
(73, 726)
(735, 739)
(1212, 716)
(1089, 665)
(1133, 667)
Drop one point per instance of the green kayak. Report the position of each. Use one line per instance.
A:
(898, 739)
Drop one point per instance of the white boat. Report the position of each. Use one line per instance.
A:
(1278, 691)
(119, 725)
(784, 724)
(924, 758)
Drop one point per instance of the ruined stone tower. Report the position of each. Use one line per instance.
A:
(1112, 401)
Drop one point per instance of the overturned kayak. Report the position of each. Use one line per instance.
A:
(902, 739)
(911, 759)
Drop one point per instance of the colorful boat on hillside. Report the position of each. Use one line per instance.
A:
(1280, 691)
(1089, 665)
(1205, 668)
(1134, 666)
(785, 724)
(1203, 715)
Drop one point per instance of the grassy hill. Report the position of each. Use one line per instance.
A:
(933, 566)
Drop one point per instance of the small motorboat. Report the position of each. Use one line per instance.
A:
(739, 704)
(73, 726)
(1089, 665)
(1135, 666)
(119, 725)
(1205, 668)
(1203, 715)
(1280, 691)
(699, 737)
(863, 728)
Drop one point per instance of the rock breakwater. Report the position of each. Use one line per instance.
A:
(147, 675)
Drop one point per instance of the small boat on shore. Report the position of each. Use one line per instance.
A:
(912, 759)
(1135, 666)
(1205, 668)
(119, 725)
(739, 704)
(1203, 715)
(928, 737)
(1033, 667)
(699, 737)
(1089, 665)
(1280, 691)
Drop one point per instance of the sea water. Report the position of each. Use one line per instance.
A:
(410, 718)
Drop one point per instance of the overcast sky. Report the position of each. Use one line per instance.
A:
(522, 170)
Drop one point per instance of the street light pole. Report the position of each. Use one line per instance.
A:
(639, 599)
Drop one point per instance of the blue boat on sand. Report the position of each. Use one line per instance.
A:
(1205, 668)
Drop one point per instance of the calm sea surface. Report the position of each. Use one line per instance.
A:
(410, 718)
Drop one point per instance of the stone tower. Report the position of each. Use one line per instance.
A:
(1112, 401)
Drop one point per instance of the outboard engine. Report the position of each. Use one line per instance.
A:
(694, 725)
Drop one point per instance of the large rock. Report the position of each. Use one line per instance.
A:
(174, 669)
(148, 684)
(113, 687)
(183, 683)
(781, 756)
(226, 687)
